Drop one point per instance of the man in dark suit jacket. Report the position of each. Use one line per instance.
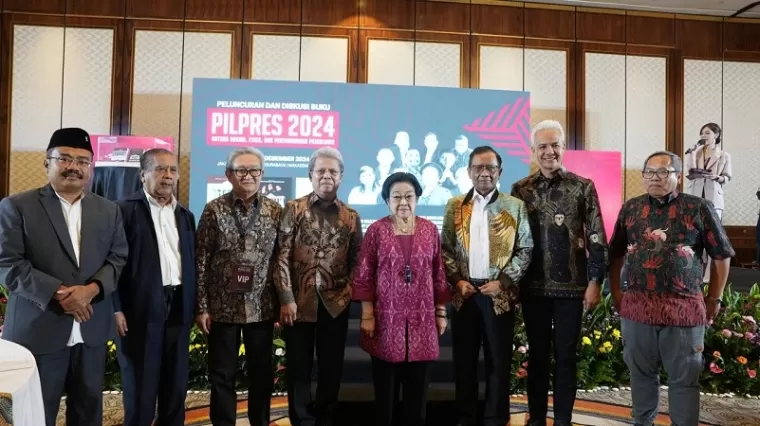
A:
(156, 298)
(62, 250)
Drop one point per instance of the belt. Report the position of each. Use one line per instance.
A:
(478, 282)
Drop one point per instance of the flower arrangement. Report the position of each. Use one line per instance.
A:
(731, 352)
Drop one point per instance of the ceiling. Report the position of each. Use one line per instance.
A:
(701, 7)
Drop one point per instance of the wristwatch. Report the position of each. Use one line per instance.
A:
(715, 300)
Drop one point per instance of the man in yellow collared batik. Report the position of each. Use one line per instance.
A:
(487, 247)
(319, 241)
(235, 258)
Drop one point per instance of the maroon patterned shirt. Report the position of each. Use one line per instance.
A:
(663, 244)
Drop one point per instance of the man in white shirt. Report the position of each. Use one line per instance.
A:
(62, 250)
(486, 246)
(156, 298)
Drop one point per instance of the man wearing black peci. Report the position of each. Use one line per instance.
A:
(62, 249)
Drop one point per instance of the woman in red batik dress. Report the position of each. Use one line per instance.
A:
(401, 283)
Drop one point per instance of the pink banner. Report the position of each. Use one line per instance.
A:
(125, 150)
(605, 168)
(271, 127)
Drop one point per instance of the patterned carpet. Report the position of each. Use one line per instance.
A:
(603, 408)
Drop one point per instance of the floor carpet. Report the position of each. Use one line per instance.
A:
(587, 413)
(604, 408)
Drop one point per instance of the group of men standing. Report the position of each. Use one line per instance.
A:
(80, 268)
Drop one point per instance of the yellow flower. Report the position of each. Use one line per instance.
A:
(241, 351)
(597, 334)
(586, 341)
(111, 346)
(616, 334)
(195, 347)
(742, 360)
(605, 348)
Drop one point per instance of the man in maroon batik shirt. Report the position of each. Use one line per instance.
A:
(661, 237)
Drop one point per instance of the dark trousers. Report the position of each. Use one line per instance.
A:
(477, 320)
(79, 371)
(566, 315)
(328, 334)
(154, 363)
(223, 349)
(413, 379)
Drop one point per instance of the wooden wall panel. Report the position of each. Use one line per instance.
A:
(337, 13)
(558, 22)
(390, 14)
(498, 20)
(35, 6)
(700, 38)
(111, 8)
(576, 29)
(606, 27)
(273, 11)
(651, 30)
(443, 17)
(741, 36)
(216, 10)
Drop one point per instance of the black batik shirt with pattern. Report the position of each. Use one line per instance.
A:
(663, 243)
(569, 242)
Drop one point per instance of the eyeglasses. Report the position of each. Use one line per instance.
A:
(480, 168)
(242, 173)
(408, 198)
(68, 161)
(661, 173)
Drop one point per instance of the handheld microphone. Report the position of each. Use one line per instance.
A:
(699, 143)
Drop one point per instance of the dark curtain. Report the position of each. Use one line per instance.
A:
(114, 183)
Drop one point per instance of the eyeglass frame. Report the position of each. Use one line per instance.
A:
(659, 172)
(242, 173)
(480, 168)
(69, 161)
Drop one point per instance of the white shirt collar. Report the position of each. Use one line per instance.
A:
(153, 201)
(487, 198)
(60, 197)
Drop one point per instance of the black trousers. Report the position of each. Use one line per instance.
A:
(413, 379)
(328, 335)
(223, 349)
(476, 321)
(566, 316)
(154, 363)
(80, 372)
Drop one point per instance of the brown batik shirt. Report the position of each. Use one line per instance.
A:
(569, 242)
(317, 252)
(221, 248)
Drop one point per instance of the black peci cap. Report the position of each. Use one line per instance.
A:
(71, 137)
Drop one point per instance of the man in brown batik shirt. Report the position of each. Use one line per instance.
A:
(319, 240)
(235, 255)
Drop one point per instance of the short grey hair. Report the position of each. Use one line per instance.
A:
(244, 151)
(547, 125)
(326, 152)
(675, 160)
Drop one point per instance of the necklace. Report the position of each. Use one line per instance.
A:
(404, 227)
